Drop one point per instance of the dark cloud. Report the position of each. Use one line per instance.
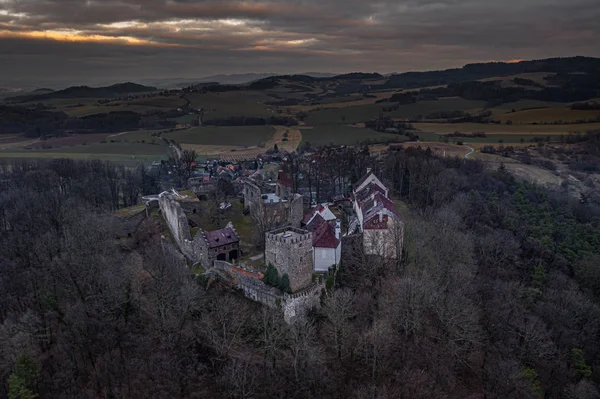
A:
(119, 39)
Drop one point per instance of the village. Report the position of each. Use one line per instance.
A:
(253, 226)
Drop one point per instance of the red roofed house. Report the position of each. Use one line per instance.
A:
(382, 229)
(327, 243)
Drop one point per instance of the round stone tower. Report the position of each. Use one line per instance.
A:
(290, 251)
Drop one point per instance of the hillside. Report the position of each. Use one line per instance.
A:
(115, 90)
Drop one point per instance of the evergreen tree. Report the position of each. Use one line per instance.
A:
(23, 381)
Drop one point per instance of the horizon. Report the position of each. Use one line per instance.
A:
(147, 81)
(89, 42)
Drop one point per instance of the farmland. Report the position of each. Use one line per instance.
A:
(226, 135)
(344, 135)
(229, 104)
(548, 115)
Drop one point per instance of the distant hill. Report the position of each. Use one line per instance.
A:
(42, 90)
(469, 72)
(87, 92)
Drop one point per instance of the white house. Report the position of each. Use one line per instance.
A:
(327, 244)
(382, 229)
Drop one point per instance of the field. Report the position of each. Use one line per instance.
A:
(80, 139)
(548, 115)
(234, 153)
(512, 132)
(127, 153)
(344, 135)
(362, 113)
(136, 135)
(228, 104)
(225, 135)
(443, 104)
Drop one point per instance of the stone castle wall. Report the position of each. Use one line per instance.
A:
(249, 282)
(291, 256)
(195, 249)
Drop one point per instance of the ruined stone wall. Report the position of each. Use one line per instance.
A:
(176, 220)
(298, 305)
(291, 256)
(252, 197)
(296, 210)
(249, 282)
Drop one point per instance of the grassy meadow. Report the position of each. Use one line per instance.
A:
(223, 135)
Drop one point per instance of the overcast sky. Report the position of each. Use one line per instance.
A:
(86, 41)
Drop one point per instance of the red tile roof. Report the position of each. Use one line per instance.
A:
(324, 236)
(368, 190)
(284, 179)
(218, 238)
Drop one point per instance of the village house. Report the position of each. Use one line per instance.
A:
(326, 242)
(380, 225)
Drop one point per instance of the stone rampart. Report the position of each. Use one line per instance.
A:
(249, 282)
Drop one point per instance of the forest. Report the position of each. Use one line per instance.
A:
(496, 295)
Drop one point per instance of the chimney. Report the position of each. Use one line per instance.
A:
(338, 228)
(380, 217)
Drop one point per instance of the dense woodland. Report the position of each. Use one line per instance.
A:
(496, 295)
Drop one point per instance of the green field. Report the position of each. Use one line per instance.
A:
(495, 132)
(115, 148)
(524, 105)
(444, 128)
(548, 115)
(223, 135)
(344, 135)
(345, 115)
(137, 135)
(363, 113)
(228, 104)
(442, 105)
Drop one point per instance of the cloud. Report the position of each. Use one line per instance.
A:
(163, 38)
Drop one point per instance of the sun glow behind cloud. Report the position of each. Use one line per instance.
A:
(71, 35)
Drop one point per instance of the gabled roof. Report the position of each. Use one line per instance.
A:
(221, 237)
(370, 189)
(315, 222)
(369, 176)
(324, 236)
(374, 223)
(375, 203)
(362, 180)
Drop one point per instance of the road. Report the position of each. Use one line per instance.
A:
(470, 152)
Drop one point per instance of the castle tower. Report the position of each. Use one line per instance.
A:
(290, 251)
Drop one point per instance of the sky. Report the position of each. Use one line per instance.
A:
(86, 41)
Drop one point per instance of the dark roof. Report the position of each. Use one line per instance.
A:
(324, 236)
(373, 223)
(284, 179)
(315, 222)
(218, 238)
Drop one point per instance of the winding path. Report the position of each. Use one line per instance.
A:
(470, 152)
